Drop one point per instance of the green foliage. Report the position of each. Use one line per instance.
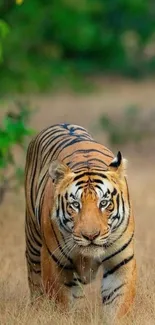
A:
(4, 30)
(53, 39)
(130, 127)
(14, 132)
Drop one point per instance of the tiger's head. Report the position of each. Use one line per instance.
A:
(91, 205)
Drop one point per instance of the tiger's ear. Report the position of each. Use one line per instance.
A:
(118, 165)
(58, 170)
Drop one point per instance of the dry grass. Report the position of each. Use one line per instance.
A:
(14, 299)
(14, 296)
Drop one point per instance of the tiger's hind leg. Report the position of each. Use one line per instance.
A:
(33, 246)
(118, 290)
(34, 282)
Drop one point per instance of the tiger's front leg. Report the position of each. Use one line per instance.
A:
(59, 283)
(54, 278)
(118, 289)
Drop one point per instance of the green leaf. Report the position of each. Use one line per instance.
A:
(4, 29)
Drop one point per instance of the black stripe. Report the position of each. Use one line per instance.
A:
(126, 227)
(74, 141)
(42, 180)
(89, 162)
(78, 164)
(32, 249)
(118, 204)
(81, 182)
(51, 146)
(85, 151)
(60, 247)
(123, 207)
(63, 144)
(89, 174)
(106, 298)
(62, 226)
(34, 159)
(98, 160)
(109, 302)
(119, 250)
(32, 269)
(111, 244)
(38, 209)
(70, 284)
(58, 208)
(99, 187)
(52, 137)
(117, 215)
(47, 155)
(36, 229)
(31, 234)
(48, 137)
(32, 260)
(81, 187)
(80, 170)
(117, 267)
(114, 192)
(66, 267)
(49, 151)
(66, 196)
(63, 206)
(32, 156)
(98, 169)
(98, 181)
(64, 221)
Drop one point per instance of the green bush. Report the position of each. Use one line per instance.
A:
(3, 33)
(14, 132)
(52, 39)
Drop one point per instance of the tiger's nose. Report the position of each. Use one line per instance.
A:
(90, 236)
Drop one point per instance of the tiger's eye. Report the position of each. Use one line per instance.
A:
(75, 205)
(103, 203)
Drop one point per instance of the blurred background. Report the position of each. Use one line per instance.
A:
(61, 41)
(85, 62)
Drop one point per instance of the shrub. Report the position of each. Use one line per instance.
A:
(4, 30)
(14, 131)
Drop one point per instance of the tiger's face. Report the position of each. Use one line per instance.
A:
(91, 207)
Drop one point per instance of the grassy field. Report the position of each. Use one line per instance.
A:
(84, 110)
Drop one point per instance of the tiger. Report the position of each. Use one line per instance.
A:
(78, 220)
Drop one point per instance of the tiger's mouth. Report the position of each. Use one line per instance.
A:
(92, 250)
(91, 244)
